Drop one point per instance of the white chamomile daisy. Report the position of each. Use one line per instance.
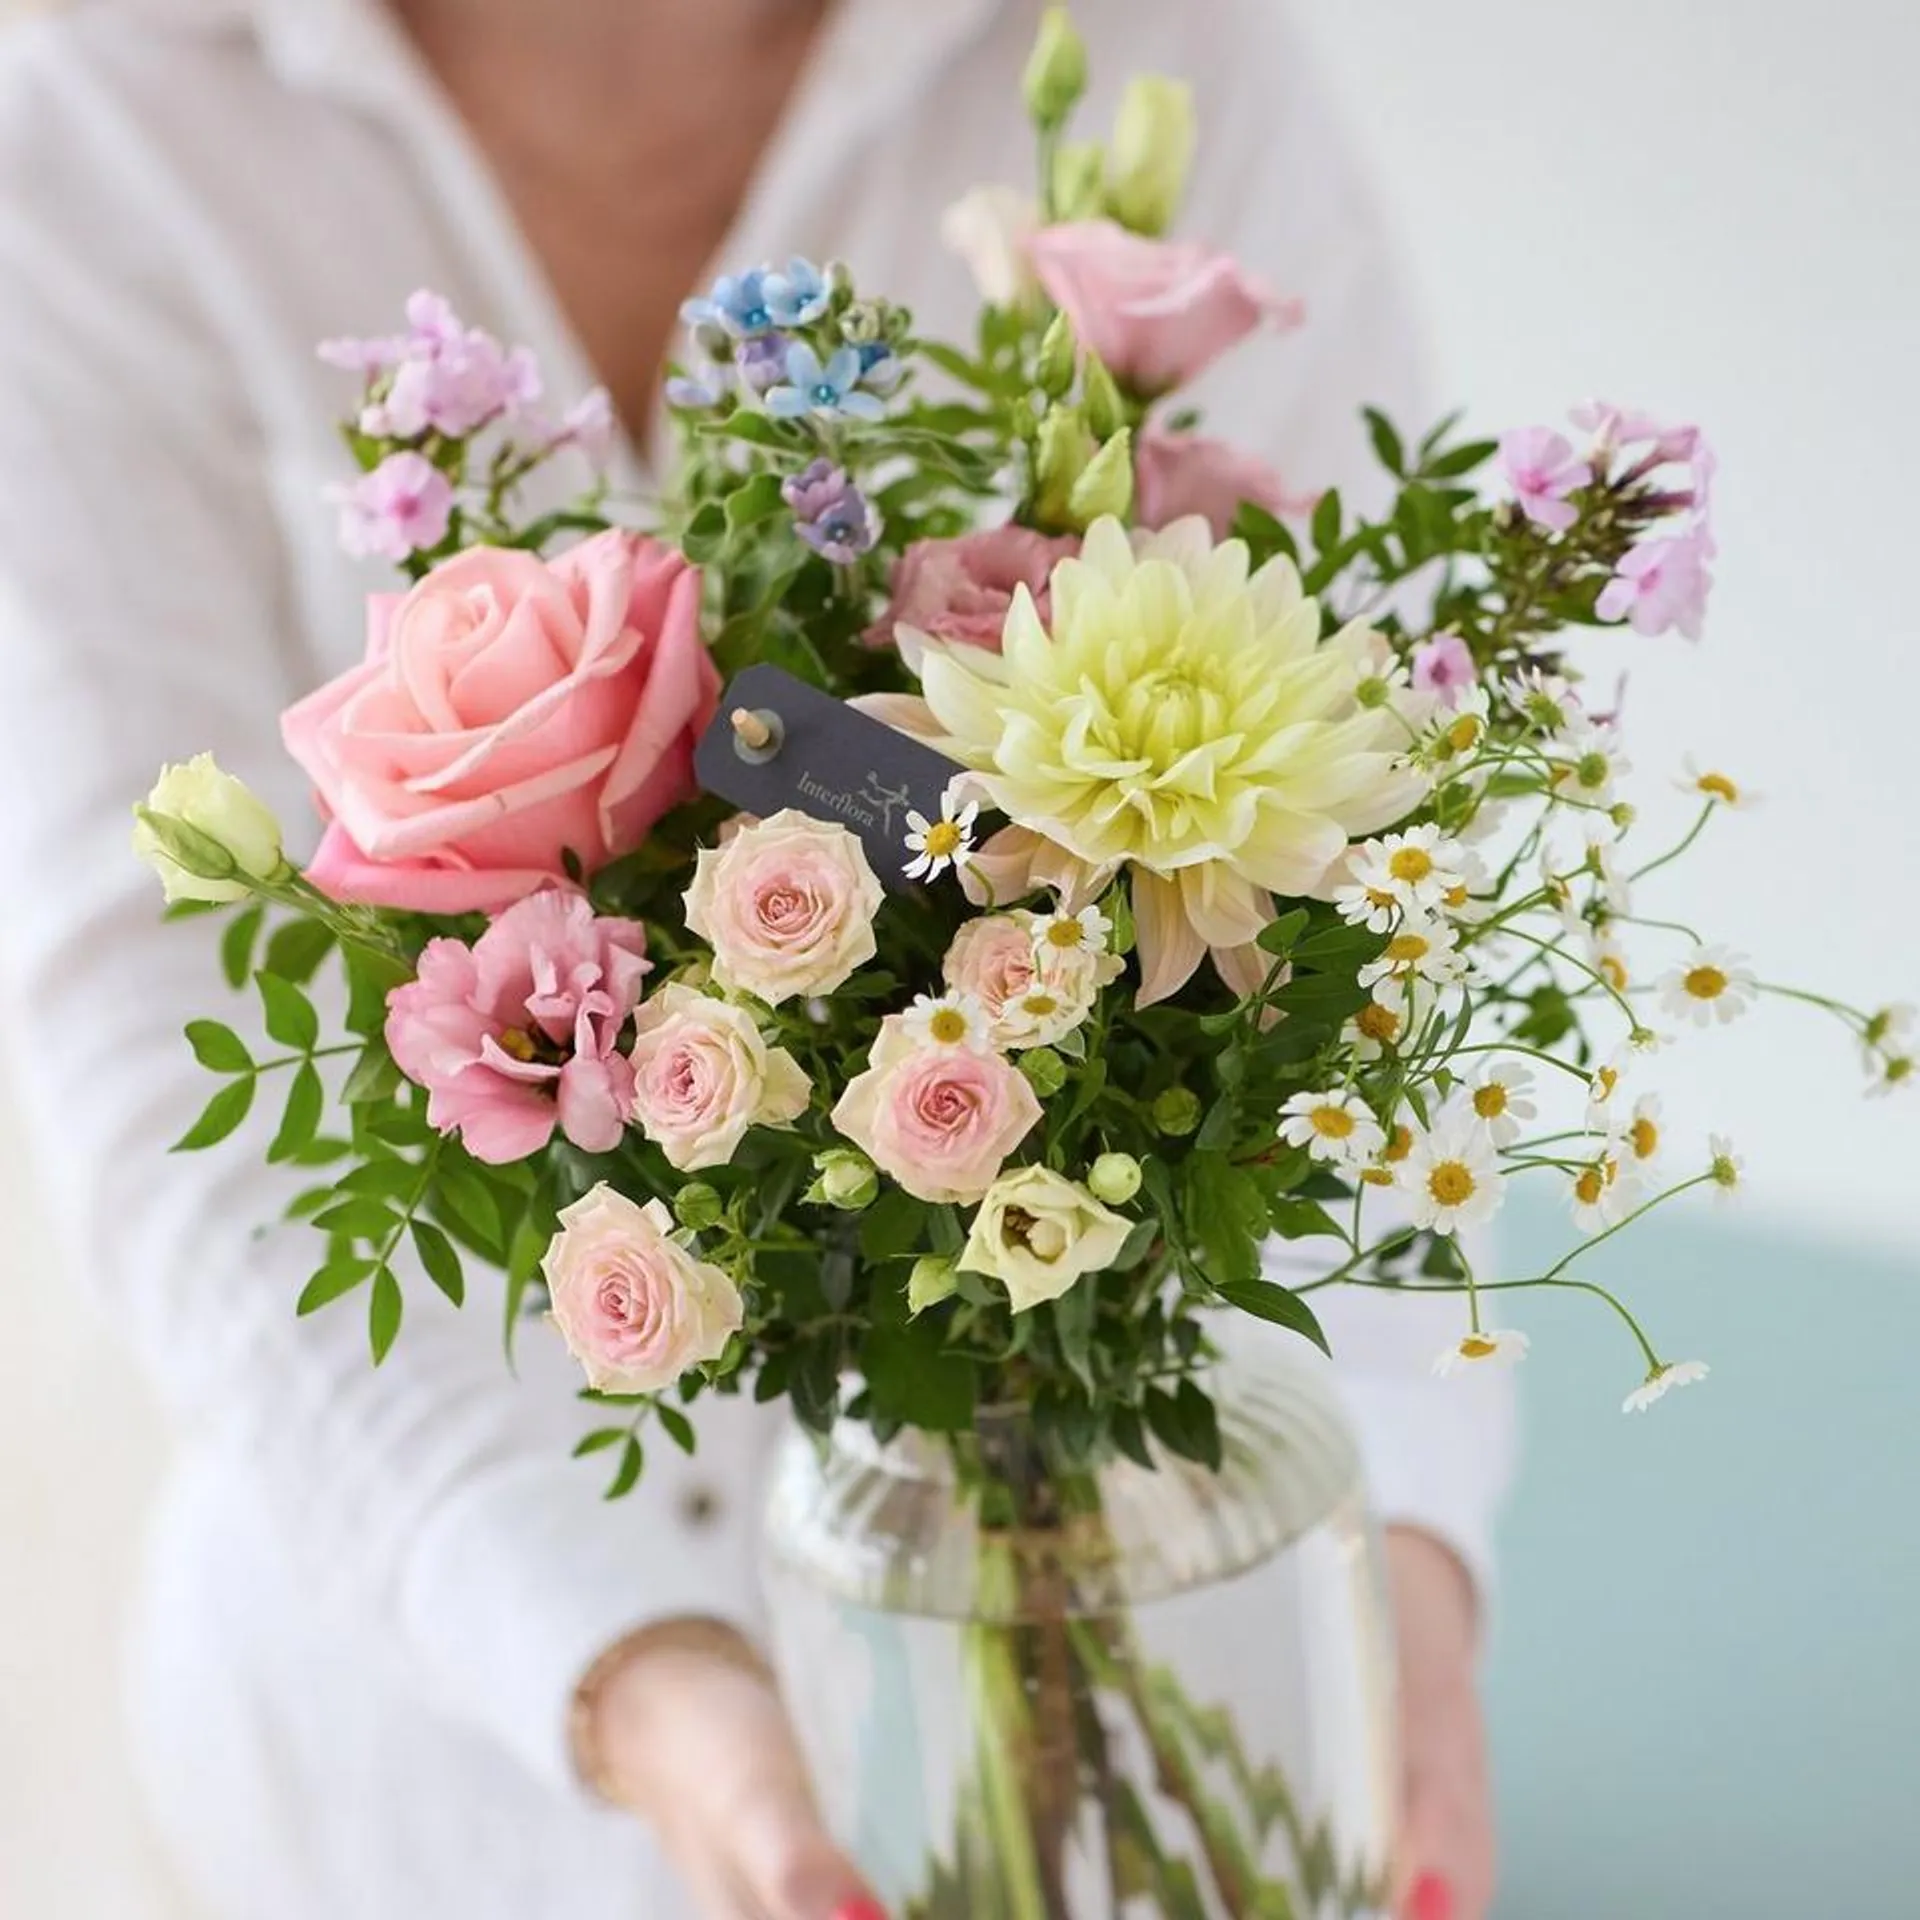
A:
(1417, 869)
(1889, 1031)
(1359, 905)
(1040, 1016)
(1608, 958)
(1657, 1384)
(1706, 783)
(1600, 1095)
(1336, 1127)
(943, 843)
(1728, 1168)
(1495, 1346)
(1546, 702)
(1451, 1176)
(1712, 983)
(1379, 1026)
(1420, 949)
(1602, 1192)
(1587, 763)
(1084, 932)
(1457, 731)
(1497, 1099)
(1641, 1138)
(950, 1020)
(1894, 1073)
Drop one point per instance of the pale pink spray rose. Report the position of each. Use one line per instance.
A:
(517, 1034)
(510, 710)
(1158, 312)
(787, 906)
(636, 1309)
(961, 589)
(702, 1075)
(1031, 994)
(1177, 474)
(940, 1119)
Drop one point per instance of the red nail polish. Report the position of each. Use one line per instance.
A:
(861, 1909)
(1431, 1899)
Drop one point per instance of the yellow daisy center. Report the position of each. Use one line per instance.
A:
(1066, 934)
(1378, 1023)
(1604, 1083)
(1376, 1177)
(1613, 970)
(948, 1026)
(1379, 897)
(1408, 949)
(1464, 732)
(1719, 786)
(1041, 1002)
(1455, 897)
(1411, 864)
(1589, 1184)
(1400, 1145)
(1591, 770)
(1332, 1123)
(1705, 983)
(1451, 1182)
(1645, 1137)
(1476, 1346)
(1490, 1101)
(943, 839)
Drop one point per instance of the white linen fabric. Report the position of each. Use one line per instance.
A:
(373, 1592)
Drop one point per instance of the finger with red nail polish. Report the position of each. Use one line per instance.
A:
(1431, 1899)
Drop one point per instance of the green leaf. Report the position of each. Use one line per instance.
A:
(1130, 1437)
(469, 1199)
(295, 951)
(188, 847)
(441, 1260)
(374, 1077)
(1325, 525)
(218, 1048)
(336, 1279)
(915, 1378)
(523, 1263)
(1461, 459)
(384, 1179)
(237, 944)
(1302, 1219)
(300, 1119)
(679, 1429)
(599, 1440)
(1278, 936)
(1386, 442)
(1280, 1305)
(1073, 1317)
(221, 1115)
(1201, 1421)
(760, 499)
(632, 1460)
(359, 1218)
(383, 1314)
(893, 1225)
(291, 1019)
(371, 976)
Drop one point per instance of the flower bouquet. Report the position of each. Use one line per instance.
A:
(902, 935)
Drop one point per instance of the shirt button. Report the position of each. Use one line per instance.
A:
(699, 1505)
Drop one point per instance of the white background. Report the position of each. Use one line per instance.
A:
(1708, 210)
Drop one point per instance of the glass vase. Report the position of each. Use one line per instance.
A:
(1120, 1693)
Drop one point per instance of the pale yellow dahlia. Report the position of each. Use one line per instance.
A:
(1184, 721)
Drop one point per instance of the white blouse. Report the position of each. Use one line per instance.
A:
(373, 1593)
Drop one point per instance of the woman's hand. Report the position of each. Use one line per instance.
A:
(1447, 1835)
(686, 1728)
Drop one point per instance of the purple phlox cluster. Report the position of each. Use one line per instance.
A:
(440, 376)
(830, 513)
(403, 507)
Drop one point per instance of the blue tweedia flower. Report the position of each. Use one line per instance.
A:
(737, 302)
(797, 297)
(881, 369)
(831, 390)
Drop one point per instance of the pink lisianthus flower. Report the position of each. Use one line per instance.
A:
(1543, 469)
(1444, 666)
(510, 710)
(1178, 474)
(517, 1034)
(961, 589)
(1157, 312)
(1662, 583)
(401, 508)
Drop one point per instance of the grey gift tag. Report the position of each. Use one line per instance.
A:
(798, 747)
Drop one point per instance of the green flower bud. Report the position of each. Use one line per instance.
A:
(1056, 74)
(1053, 374)
(1114, 1178)
(1045, 1070)
(1176, 1113)
(1106, 484)
(207, 835)
(1100, 398)
(1079, 181)
(864, 322)
(1152, 153)
(933, 1279)
(1061, 455)
(697, 1206)
(847, 1180)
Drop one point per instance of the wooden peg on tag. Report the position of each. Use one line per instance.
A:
(758, 733)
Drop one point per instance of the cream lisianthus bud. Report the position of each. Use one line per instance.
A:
(1053, 371)
(1100, 398)
(1062, 453)
(1078, 181)
(1115, 1178)
(206, 834)
(1153, 143)
(1038, 1232)
(1105, 486)
(933, 1279)
(847, 1180)
(1056, 74)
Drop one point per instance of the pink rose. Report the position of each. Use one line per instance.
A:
(702, 1075)
(635, 1308)
(1177, 474)
(961, 589)
(1158, 312)
(787, 906)
(940, 1119)
(516, 1034)
(508, 710)
(1032, 995)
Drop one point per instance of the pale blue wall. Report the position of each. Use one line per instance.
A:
(1705, 1685)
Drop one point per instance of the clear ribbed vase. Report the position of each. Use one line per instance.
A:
(1134, 1693)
